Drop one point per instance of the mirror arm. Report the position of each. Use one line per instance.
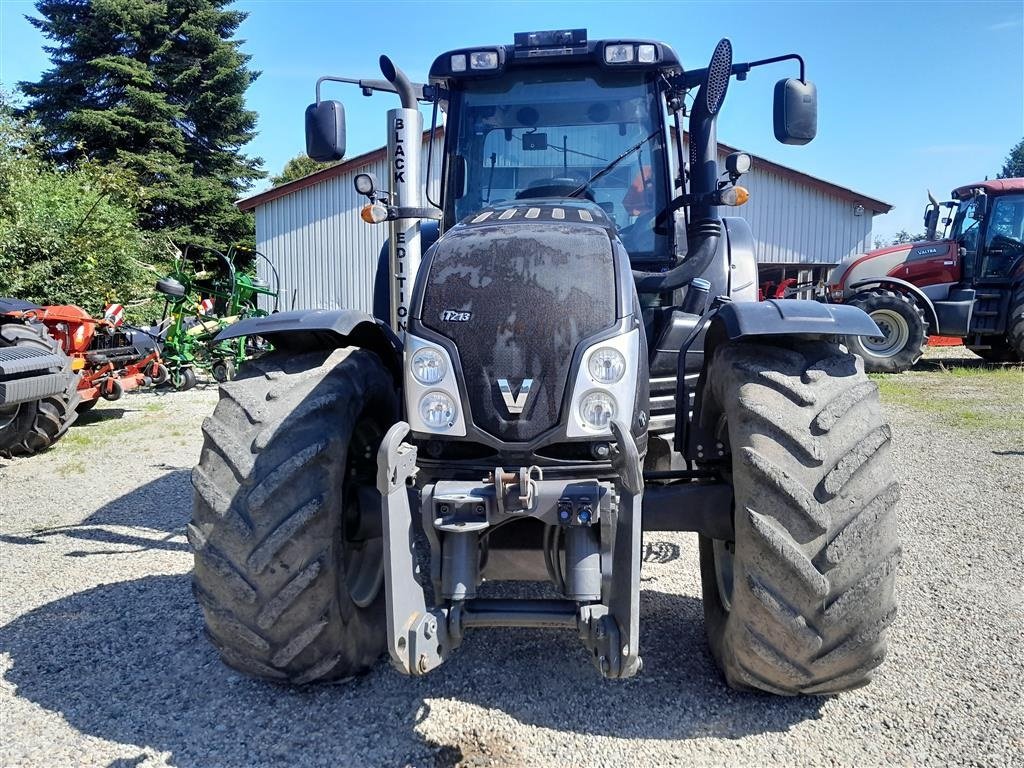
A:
(420, 91)
(695, 77)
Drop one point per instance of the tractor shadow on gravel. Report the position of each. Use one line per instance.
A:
(127, 662)
(156, 506)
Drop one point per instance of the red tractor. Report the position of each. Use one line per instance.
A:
(968, 283)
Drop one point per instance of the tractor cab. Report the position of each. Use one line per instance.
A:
(988, 228)
(588, 123)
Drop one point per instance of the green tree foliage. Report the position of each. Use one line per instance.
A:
(157, 86)
(1013, 168)
(68, 235)
(296, 168)
(900, 238)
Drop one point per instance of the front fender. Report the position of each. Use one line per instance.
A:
(901, 286)
(781, 318)
(306, 330)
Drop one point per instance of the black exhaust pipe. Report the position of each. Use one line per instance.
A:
(705, 229)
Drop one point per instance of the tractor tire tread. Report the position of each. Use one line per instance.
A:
(870, 301)
(272, 591)
(815, 548)
(45, 421)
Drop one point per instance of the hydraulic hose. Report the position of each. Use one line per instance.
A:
(398, 78)
(703, 237)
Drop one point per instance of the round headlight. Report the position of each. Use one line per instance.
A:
(437, 410)
(607, 365)
(598, 409)
(428, 366)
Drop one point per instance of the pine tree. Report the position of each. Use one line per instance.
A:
(157, 86)
(1013, 168)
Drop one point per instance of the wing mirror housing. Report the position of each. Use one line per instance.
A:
(796, 111)
(325, 131)
(931, 221)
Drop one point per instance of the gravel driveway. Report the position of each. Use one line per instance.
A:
(103, 661)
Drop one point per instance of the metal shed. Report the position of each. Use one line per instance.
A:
(326, 255)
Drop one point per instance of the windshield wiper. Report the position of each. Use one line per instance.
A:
(583, 187)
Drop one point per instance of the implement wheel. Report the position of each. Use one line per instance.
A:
(800, 600)
(286, 527)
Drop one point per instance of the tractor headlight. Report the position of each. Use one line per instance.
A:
(619, 54)
(605, 386)
(483, 60)
(431, 389)
(428, 366)
(606, 365)
(438, 410)
(598, 408)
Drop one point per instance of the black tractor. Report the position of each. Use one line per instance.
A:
(566, 351)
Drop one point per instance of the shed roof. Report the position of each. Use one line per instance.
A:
(345, 166)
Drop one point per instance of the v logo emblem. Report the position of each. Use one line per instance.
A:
(515, 404)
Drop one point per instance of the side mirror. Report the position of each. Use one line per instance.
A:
(980, 206)
(931, 221)
(796, 111)
(325, 131)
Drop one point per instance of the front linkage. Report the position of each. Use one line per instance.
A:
(421, 636)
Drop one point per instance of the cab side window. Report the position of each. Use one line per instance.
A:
(1004, 236)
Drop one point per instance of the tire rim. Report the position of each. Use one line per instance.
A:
(895, 334)
(724, 562)
(8, 414)
(362, 537)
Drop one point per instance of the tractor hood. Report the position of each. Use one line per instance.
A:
(516, 288)
(883, 261)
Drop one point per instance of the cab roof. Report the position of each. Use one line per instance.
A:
(994, 187)
(554, 48)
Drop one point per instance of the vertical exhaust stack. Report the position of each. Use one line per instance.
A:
(405, 140)
(703, 135)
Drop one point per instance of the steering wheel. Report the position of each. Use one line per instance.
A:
(641, 226)
(554, 187)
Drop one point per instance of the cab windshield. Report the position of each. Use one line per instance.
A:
(536, 134)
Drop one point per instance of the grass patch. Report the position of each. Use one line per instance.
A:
(965, 397)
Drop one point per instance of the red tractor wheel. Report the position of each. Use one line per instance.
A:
(904, 332)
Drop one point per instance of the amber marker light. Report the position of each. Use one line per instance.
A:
(374, 213)
(734, 196)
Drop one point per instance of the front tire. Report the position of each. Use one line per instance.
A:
(288, 544)
(800, 600)
(904, 332)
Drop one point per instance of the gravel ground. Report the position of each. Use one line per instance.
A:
(103, 662)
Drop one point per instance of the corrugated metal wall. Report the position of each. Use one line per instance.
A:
(325, 254)
(796, 223)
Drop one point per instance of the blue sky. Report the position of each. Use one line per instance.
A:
(911, 94)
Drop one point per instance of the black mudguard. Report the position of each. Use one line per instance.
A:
(310, 329)
(776, 317)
